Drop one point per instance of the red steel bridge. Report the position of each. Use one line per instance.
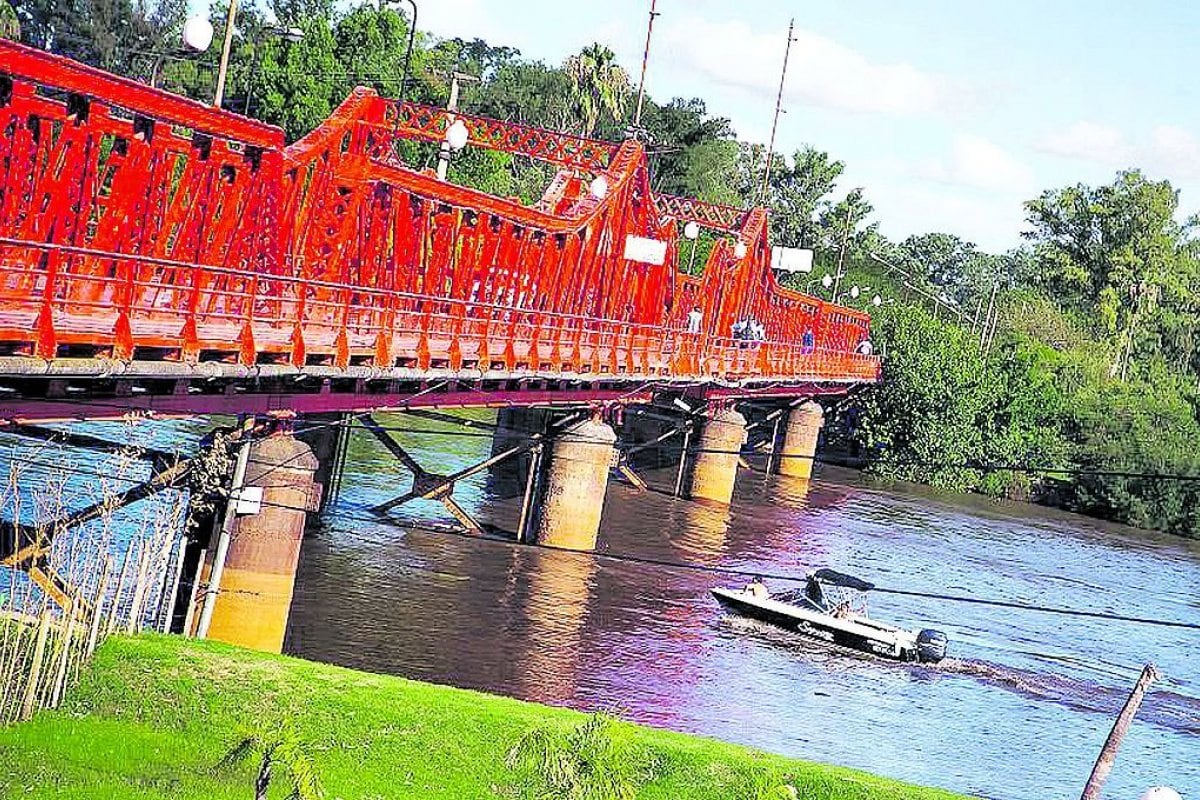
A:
(160, 255)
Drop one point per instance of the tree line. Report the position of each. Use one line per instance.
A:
(1089, 393)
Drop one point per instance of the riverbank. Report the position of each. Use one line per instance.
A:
(153, 715)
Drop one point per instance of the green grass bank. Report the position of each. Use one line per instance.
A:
(154, 715)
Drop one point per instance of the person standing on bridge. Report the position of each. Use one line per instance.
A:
(694, 318)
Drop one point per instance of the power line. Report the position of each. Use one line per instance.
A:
(647, 561)
(743, 573)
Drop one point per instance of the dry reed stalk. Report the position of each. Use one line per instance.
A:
(167, 612)
(191, 608)
(35, 664)
(113, 615)
(133, 624)
(98, 607)
(60, 679)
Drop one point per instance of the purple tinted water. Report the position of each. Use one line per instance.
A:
(1019, 712)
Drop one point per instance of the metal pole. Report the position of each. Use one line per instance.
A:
(412, 33)
(219, 95)
(444, 150)
(762, 194)
(218, 565)
(637, 114)
(683, 455)
(531, 482)
(837, 278)
(1108, 753)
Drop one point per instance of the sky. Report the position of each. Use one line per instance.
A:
(949, 114)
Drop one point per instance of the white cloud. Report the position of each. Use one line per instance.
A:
(1174, 152)
(978, 163)
(1087, 140)
(1167, 150)
(821, 72)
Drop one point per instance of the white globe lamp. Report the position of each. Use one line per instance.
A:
(457, 135)
(827, 281)
(855, 292)
(877, 301)
(599, 187)
(691, 231)
(197, 34)
(739, 250)
(1160, 793)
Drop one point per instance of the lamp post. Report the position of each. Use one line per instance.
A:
(291, 35)
(636, 127)
(457, 134)
(762, 193)
(223, 70)
(412, 33)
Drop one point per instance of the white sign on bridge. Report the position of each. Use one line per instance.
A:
(791, 259)
(647, 251)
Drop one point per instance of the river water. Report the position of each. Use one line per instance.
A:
(1018, 712)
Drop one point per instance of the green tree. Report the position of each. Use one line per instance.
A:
(799, 196)
(599, 86)
(1113, 250)
(10, 26)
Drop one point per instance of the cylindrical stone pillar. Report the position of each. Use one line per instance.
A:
(714, 468)
(576, 480)
(799, 447)
(260, 569)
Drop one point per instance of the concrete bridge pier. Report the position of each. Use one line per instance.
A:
(255, 586)
(716, 452)
(576, 468)
(798, 448)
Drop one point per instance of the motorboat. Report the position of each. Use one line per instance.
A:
(832, 607)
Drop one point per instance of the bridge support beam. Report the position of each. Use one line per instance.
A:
(255, 594)
(717, 452)
(799, 447)
(576, 480)
(328, 435)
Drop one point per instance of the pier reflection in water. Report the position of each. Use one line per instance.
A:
(1028, 697)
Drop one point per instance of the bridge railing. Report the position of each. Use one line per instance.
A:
(129, 311)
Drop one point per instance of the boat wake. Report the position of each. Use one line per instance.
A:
(1163, 708)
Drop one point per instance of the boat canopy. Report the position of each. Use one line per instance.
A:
(834, 578)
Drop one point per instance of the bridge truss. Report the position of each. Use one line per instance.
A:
(163, 255)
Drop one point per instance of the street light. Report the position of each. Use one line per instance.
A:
(827, 281)
(854, 292)
(456, 135)
(599, 187)
(739, 250)
(877, 301)
(197, 34)
(197, 37)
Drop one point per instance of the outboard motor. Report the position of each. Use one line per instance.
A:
(931, 646)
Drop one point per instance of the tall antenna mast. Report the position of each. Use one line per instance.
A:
(637, 114)
(762, 193)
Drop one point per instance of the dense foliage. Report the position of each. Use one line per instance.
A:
(1087, 397)
(1095, 365)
